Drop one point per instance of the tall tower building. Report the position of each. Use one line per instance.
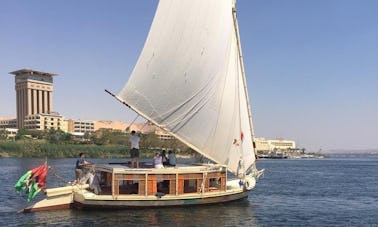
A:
(33, 93)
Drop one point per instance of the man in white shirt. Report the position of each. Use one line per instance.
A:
(134, 152)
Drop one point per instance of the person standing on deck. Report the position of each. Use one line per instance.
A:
(134, 149)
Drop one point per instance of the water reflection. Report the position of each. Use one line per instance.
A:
(238, 213)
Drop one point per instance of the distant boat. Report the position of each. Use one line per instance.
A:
(272, 156)
(275, 154)
(189, 81)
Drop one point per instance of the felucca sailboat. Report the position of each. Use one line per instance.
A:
(189, 80)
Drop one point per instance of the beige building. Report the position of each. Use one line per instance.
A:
(281, 144)
(151, 128)
(33, 93)
(11, 132)
(142, 127)
(8, 123)
(115, 125)
(277, 144)
(45, 122)
(83, 126)
(163, 135)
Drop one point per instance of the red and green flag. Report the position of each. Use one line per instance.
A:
(33, 181)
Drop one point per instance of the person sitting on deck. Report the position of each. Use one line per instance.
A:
(158, 162)
(80, 164)
(172, 158)
(164, 158)
(94, 182)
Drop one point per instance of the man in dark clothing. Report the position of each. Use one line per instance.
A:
(80, 164)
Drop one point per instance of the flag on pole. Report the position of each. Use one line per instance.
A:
(33, 181)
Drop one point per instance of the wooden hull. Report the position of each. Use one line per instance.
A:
(122, 188)
(57, 199)
(51, 203)
(152, 201)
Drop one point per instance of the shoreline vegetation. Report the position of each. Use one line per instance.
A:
(37, 149)
(43, 149)
(107, 143)
(104, 143)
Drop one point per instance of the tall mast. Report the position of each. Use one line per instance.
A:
(243, 72)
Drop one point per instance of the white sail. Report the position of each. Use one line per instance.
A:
(188, 80)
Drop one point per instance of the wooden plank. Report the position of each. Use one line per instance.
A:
(223, 183)
(216, 175)
(113, 185)
(115, 188)
(177, 191)
(172, 187)
(192, 176)
(180, 184)
(151, 185)
(141, 187)
(146, 184)
(119, 176)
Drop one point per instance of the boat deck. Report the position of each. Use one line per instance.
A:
(146, 167)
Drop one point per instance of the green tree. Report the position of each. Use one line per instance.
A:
(57, 136)
(118, 137)
(21, 133)
(3, 135)
(109, 136)
(37, 134)
(149, 141)
(87, 138)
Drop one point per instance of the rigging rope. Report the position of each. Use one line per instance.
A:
(57, 176)
(128, 128)
(134, 120)
(74, 183)
(143, 126)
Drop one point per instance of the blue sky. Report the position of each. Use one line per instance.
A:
(312, 66)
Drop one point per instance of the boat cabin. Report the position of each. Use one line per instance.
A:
(120, 180)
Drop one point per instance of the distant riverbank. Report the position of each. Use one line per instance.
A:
(35, 149)
(43, 149)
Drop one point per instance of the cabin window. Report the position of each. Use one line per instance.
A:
(161, 183)
(190, 186)
(214, 184)
(127, 187)
(129, 184)
(163, 186)
(106, 183)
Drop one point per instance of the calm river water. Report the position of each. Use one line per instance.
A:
(336, 191)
